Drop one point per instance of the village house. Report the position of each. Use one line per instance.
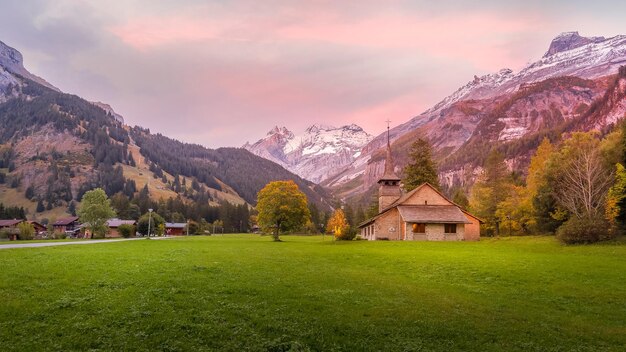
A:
(424, 214)
(11, 227)
(115, 223)
(67, 225)
(175, 228)
(39, 228)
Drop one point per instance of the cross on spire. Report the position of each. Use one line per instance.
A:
(388, 122)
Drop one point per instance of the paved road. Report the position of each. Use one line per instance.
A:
(50, 244)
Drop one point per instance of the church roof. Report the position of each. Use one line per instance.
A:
(404, 197)
(433, 214)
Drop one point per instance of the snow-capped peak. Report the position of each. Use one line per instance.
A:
(12, 61)
(315, 153)
(568, 41)
(282, 131)
(569, 54)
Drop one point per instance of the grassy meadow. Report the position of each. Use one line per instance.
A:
(247, 293)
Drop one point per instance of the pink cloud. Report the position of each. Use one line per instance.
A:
(477, 37)
(149, 32)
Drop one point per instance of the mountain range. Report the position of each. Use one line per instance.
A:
(574, 86)
(55, 146)
(317, 154)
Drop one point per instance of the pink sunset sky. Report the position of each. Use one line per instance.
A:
(220, 73)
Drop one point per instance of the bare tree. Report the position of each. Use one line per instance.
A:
(583, 182)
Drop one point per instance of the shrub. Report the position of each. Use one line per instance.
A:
(584, 230)
(347, 235)
(4, 234)
(59, 235)
(126, 230)
(27, 231)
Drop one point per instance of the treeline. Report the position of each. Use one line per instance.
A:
(575, 189)
(9, 212)
(227, 216)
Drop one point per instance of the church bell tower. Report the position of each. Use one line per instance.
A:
(389, 184)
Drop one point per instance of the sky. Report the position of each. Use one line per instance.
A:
(220, 73)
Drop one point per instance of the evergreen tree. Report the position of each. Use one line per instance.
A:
(349, 213)
(316, 219)
(40, 206)
(121, 205)
(72, 208)
(30, 192)
(538, 194)
(421, 167)
(359, 216)
(372, 209)
(615, 211)
(460, 198)
(492, 187)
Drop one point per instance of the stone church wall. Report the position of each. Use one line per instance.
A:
(387, 226)
(435, 232)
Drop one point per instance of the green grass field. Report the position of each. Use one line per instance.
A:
(244, 292)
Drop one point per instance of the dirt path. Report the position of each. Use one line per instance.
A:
(50, 244)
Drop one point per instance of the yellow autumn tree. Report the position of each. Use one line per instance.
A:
(615, 198)
(337, 224)
(517, 212)
(282, 207)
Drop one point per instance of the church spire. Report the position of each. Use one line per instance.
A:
(389, 184)
(389, 174)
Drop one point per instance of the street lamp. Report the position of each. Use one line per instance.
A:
(149, 220)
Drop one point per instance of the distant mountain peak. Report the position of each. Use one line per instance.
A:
(282, 131)
(12, 61)
(568, 41)
(321, 150)
(10, 57)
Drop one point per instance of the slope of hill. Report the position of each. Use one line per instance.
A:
(243, 171)
(317, 154)
(55, 146)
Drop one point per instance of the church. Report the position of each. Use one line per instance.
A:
(424, 214)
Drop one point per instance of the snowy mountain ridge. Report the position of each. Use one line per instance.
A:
(316, 154)
(453, 121)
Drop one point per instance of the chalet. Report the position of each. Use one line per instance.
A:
(175, 228)
(39, 228)
(424, 214)
(114, 224)
(66, 225)
(11, 227)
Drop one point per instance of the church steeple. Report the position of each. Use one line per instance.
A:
(389, 183)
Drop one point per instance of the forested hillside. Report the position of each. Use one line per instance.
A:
(55, 146)
(242, 170)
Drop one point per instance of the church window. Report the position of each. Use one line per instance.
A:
(419, 228)
(450, 228)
